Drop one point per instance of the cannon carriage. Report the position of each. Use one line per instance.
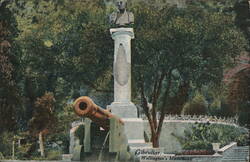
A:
(103, 134)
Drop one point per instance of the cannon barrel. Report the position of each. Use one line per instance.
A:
(85, 107)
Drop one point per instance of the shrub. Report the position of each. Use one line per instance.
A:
(197, 145)
(225, 109)
(244, 119)
(243, 140)
(1, 156)
(219, 107)
(61, 139)
(202, 135)
(215, 107)
(25, 151)
(6, 143)
(22, 151)
(38, 158)
(54, 155)
(244, 113)
(197, 106)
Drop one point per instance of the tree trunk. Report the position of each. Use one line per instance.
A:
(13, 150)
(156, 134)
(155, 140)
(152, 116)
(41, 146)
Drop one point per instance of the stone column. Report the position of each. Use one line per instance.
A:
(122, 105)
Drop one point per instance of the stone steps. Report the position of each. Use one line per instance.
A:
(238, 154)
(234, 160)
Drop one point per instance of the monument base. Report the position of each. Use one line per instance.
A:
(123, 110)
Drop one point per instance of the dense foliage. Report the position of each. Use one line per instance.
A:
(10, 99)
(65, 48)
(197, 106)
(239, 95)
(202, 135)
(179, 52)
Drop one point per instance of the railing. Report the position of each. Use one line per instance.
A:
(202, 118)
(77, 123)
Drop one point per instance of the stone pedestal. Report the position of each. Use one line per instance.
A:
(122, 105)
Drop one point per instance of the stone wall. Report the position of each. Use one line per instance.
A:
(172, 127)
(179, 3)
(175, 127)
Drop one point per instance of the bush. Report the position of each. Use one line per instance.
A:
(54, 155)
(58, 141)
(225, 109)
(243, 140)
(197, 145)
(244, 119)
(244, 113)
(6, 143)
(215, 107)
(197, 106)
(202, 135)
(219, 107)
(1, 156)
(25, 151)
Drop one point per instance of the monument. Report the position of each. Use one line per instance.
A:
(120, 135)
(120, 120)
(122, 35)
(122, 17)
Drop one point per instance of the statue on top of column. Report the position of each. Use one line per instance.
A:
(122, 17)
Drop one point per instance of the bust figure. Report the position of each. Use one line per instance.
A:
(122, 17)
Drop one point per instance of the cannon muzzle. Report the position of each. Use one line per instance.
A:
(85, 107)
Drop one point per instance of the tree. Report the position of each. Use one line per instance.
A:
(62, 44)
(43, 120)
(197, 106)
(239, 94)
(242, 19)
(9, 68)
(177, 48)
(66, 47)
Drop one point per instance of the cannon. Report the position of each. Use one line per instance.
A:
(118, 140)
(94, 140)
(85, 107)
